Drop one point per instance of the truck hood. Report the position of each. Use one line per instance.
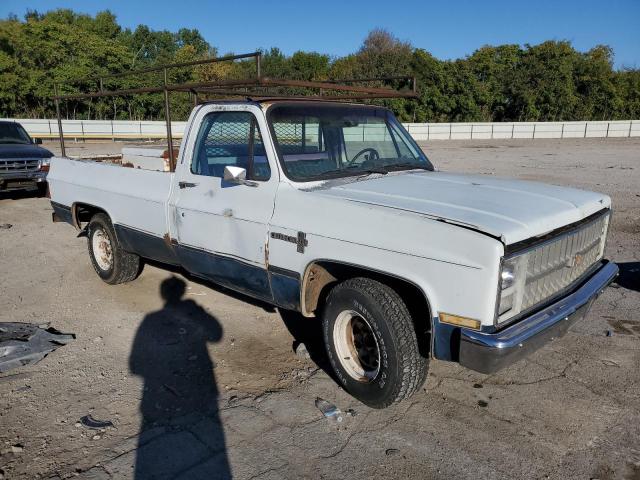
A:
(512, 210)
(14, 150)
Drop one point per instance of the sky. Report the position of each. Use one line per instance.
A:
(447, 29)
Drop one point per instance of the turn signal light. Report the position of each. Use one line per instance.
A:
(459, 321)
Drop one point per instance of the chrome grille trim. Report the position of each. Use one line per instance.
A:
(19, 165)
(555, 264)
(560, 262)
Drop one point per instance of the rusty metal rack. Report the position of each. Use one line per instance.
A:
(254, 88)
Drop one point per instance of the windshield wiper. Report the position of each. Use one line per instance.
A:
(19, 142)
(356, 171)
(416, 166)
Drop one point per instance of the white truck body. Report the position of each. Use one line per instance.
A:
(446, 234)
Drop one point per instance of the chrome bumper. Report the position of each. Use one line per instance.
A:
(489, 352)
(18, 180)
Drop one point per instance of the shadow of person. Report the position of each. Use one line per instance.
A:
(181, 435)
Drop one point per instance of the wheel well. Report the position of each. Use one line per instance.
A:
(321, 276)
(82, 213)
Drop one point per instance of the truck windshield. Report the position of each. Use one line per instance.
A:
(13, 133)
(317, 142)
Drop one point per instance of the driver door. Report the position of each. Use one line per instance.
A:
(221, 226)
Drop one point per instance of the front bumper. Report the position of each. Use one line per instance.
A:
(489, 352)
(19, 180)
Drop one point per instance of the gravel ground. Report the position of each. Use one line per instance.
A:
(231, 398)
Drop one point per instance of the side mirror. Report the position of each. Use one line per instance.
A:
(37, 141)
(237, 175)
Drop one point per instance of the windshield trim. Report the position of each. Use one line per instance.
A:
(389, 117)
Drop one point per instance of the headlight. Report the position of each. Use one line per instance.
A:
(45, 163)
(512, 280)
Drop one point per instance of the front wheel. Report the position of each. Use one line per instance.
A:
(110, 261)
(371, 342)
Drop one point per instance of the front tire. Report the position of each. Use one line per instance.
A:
(43, 188)
(371, 342)
(109, 260)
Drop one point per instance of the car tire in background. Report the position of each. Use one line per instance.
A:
(371, 342)
(43, 189)
(110, 261)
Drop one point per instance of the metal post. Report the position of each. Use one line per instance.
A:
(167, 116)
(585, 129)
(534, 131)
(630, 125)
(562, 131)
(258, 65)
(63, 152)
(472, 131)
(492, 131)
(607, 134)
(513, 126)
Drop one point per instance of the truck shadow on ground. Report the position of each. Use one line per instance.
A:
(629, 277)
(181, 434)
(20, 194)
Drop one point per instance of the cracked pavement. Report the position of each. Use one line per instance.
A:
(208, 386)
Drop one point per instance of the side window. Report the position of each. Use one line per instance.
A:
(230, 139)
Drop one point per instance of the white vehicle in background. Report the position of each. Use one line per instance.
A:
(332, 209)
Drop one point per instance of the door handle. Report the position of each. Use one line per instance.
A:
(186, 184)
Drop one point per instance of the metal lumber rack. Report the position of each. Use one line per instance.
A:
(257, 87)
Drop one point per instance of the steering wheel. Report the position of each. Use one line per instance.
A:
(373, 155)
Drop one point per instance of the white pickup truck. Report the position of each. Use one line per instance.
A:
(333, 210)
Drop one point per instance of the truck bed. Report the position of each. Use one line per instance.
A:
(134, 198)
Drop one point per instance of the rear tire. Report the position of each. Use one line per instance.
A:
(109, 260)
(371, 343)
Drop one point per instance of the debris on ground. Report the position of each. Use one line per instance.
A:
(351, 412)
(90, 422)
(24, 343)
(5, 226)
(301, 350)
(391, 451)
(329, 410)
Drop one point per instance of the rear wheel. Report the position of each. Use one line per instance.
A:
(371, 342)
(109, 260)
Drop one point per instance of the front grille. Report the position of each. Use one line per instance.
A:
(19, 165)
(559, 262)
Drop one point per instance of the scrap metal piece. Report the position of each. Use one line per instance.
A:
(90, 422)
(24, 343)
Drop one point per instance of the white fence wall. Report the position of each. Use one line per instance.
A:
(122, 129)
(508, 130)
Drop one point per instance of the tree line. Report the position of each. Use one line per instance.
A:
(551, 81)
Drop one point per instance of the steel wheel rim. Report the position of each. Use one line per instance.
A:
(102, 251)
(356, 346)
